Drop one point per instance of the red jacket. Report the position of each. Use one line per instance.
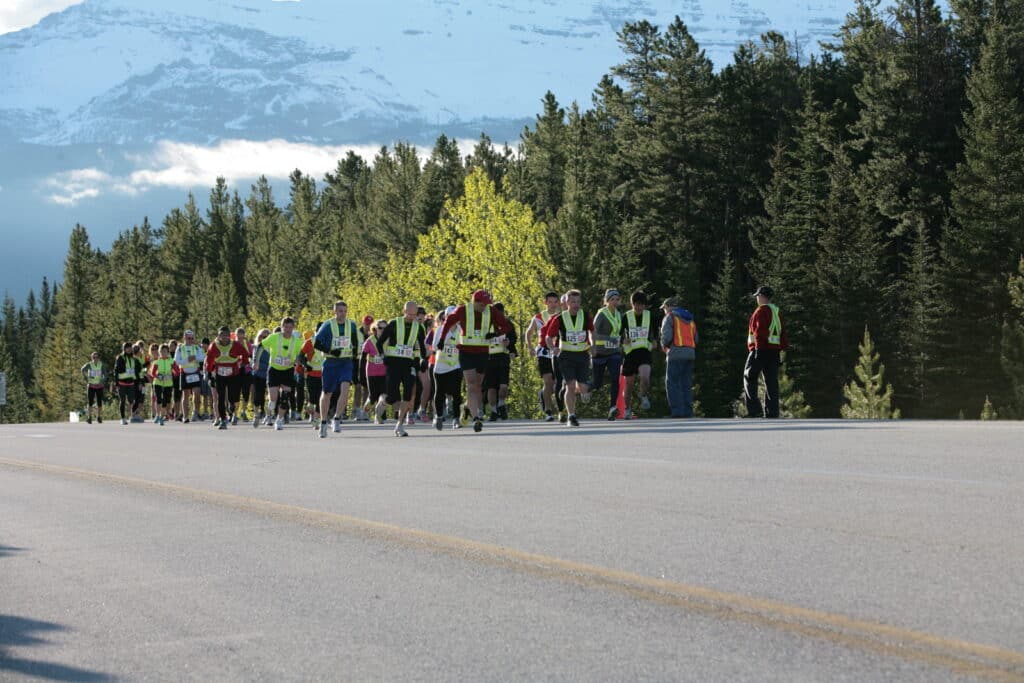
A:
(760, 322)
(237, 351)
(498, 319)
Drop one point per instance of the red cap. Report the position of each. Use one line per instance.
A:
(481, 296)
(367, 319)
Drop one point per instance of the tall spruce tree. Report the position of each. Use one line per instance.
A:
(986, 237)
(723, 341)
(1012, 357)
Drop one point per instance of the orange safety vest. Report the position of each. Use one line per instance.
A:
(683, 333)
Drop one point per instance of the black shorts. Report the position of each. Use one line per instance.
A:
(473, 361)
(163, 395)
(633, 360)
(545, 366)
(401, 380)
(574, 365)
(361, 370)
(95, 395)
(498, 370)
(281, 378)
(376, 386)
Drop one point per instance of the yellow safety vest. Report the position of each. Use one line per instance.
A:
(638, 335)
(341, 340)
(616, 335)
(476, 337)
(774, 328)
(95, 373)
(164, 372)
(575, 332)
(278, 359)
(407, 349)
(186, 351)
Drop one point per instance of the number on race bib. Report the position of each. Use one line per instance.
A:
(192, 379)
(404, 351)
(574, 337)
(281, 360)
(340, 343)
(612, 343)
(637, 333)
(225, 371)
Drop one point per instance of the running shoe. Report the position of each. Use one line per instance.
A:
(410, 419)
(493, 417)
(456, 424)
(628, 415)
(323, 430)
(99, 420)
(562, 417)
(438, 423)
(400, 430)
(573, 422)
(549, 417)
(124, 421)
(278, 424)
(503, 412)
(234, 420)
(245, 416)
(478, 425)
(88, 420)
(336, 425)
(156, 420)
(613, 413)
(223, 424)
(422, 415)
(645, 403)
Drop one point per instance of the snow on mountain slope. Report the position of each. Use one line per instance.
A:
(325, 70)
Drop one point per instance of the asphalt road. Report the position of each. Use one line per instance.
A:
(650, 550)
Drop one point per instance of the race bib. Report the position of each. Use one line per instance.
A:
(95, 374)
(638, 333)
(282, 361)
(162, 377)
(340, 343)
(403, 351)
(377, 360)
(574, 337)
(450, 353)
(225, 371)
(192, 379)
(612, 343)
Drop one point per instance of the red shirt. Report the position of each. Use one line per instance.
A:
(760, 322)
(498, 319)
(555, 329)
(237, 351)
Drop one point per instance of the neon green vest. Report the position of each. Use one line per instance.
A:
(616, 334)
(575, 332)
(164, 372)
(407, 349)
(476, 337)
(638, 335)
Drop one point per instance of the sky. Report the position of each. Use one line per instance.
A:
(18, 14)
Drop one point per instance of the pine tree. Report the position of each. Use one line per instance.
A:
(262, 227)
(987, 235)
(544, 167)
(442, 180)
(865, 396)
(791, 400)
(18, 408)
(722, 341)
(213, 302)
(494, 163)
(988, 411)
(1012, 356)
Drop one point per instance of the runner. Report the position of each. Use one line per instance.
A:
(359, 398)
(172, 346)
(312, 360)
(424, 388)
(607, 349)
(140, 381)
(551, 375)
(127, 369)
(640, 336)
(402, 344)
(298, 408)
(447, 374)
(376, 373)
(340, 340)
(95, 374)
(151, 357)
(284, 347)
(246, 377)
(260, 358)
(190, 358)
(162, 374)
(499, 365)
(205, 387)
(477, 319)
(569, 336)
(224, 362)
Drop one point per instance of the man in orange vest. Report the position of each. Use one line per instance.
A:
(679, 341)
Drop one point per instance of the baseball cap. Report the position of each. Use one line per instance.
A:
(670, 302)
(367, 319)
(482, 296)
(764, 290)
(451, 309)
(609, 293)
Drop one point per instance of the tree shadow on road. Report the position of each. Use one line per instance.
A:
(6, 550)
(21, 632)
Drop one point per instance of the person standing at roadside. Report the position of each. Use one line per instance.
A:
(679, 341)
(766, 340)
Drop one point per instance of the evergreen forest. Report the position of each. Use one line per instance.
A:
(877, 186)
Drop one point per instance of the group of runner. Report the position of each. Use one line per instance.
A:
(414, 364)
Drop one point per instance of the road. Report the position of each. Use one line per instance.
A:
(650, 550)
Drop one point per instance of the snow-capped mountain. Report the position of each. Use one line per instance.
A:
(133, 71)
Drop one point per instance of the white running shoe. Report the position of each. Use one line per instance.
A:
(323, 430)
(336, 426)
(400, 430)
(278, 424)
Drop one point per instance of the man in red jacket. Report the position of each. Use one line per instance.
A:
(224, 361)
(766, 340)
(480, 322)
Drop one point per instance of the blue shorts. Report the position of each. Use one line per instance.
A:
(336, 372)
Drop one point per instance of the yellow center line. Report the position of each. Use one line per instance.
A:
(959, 656)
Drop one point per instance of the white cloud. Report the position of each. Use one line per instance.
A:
(18, 14)
(186, 166)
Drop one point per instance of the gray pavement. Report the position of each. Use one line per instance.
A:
(650, 550)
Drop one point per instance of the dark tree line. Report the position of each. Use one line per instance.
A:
(878, 185)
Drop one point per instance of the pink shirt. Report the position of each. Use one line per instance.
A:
(374, 361)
